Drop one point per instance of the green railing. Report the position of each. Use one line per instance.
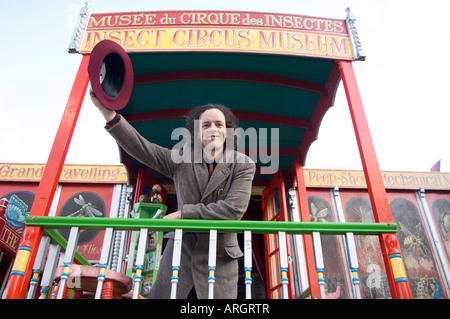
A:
(222, 226)
(146, 225)
(59, 240)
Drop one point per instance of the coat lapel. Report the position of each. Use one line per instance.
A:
(219, 175)
(201, 176)
(209, 184)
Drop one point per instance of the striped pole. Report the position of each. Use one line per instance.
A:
(283, 263)
(38, 266)
(17, 280)
(318, 256)
(176, 258)
(354, 266)
(68, 259)
(212, 262)
(402, 289)
(49, 270)
(104, 261)
(21, 261)
(137, 279)
(248, 263)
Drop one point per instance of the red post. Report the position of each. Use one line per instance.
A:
(302, 200)
(23, 264)
(378, 197)
(108, 290)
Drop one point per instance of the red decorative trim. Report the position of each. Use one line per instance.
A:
(218, 75)
(260, 151)
(274, 119)
(241, 115)
(156, 115)
(324, 103)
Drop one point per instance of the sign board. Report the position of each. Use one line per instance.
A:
(227, 31)
(70, 173)
(392, 180)
(313, 177)
(9, 238)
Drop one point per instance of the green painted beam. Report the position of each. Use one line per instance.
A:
(222, 226)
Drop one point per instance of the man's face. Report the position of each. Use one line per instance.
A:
(213, 130)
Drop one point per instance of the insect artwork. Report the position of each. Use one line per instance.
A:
(318, 216)
(414, 243)
(364, 217)
(86, 210)
(16, 213)
(444, 223)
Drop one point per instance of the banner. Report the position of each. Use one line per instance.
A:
(221, 31)
(9, 238)
(392, 180)
(70, 173)
(313, 177)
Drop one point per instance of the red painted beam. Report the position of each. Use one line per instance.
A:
(303, 208)
(156, 115)
(241, 115)
(375, 185)
(218, 75)
(273, 119)
(380, 205)
(262, 151)
(22, 268)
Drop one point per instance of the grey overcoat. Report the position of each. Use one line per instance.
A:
(224, 195)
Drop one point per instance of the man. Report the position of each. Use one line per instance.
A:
(217, 187)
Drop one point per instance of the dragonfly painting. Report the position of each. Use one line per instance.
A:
(86, 210)
(83, 204)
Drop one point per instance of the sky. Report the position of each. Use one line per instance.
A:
(403, 83)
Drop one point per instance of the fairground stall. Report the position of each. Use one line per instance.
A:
(279, 74)
(420, 204)
(84, 190)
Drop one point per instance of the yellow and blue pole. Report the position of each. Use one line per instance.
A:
(354, 266)
(107, 240)
(282, 245)
(137, 279)
(68, 259)
(212, 262)
(176, 258)
(400, 284)
(49, 270)
(248, 263)
(318, 258)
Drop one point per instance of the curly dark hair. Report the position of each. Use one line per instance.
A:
(194, 114)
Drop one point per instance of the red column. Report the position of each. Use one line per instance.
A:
(378, 197)
(302, 200)
(22, 268)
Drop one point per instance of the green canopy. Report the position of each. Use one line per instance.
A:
(265, 91)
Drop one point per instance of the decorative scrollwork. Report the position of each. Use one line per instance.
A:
(77, 37)
(360, 55)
